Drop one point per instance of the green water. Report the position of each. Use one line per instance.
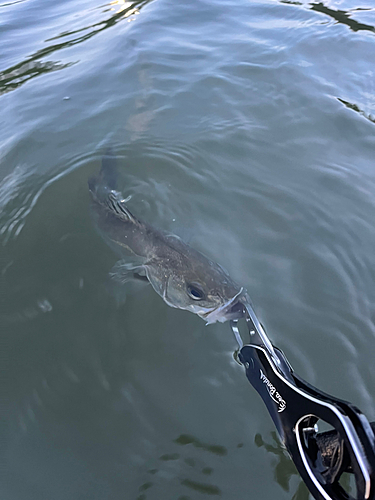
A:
(246, 127)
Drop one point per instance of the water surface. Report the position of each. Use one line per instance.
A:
(247, 127)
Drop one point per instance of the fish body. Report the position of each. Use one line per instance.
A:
(182, 276)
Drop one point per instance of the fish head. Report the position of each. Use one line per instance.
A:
(203, 288)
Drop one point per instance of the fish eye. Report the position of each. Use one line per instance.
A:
(195, 292)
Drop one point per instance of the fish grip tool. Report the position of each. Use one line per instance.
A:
(296, 407)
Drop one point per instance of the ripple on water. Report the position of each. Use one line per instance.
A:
(251, 125)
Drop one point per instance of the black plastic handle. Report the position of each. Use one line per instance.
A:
(296, 407)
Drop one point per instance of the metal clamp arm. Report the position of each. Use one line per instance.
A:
(296, 408)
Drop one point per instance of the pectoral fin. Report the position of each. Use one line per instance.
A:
(124, 271)
(126, 279)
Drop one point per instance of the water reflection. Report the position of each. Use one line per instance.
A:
(7, 4)
(354, 107)
(182, 472)
(185, 439)
(15, 76)
(285, 468)
(207, 489)
(341, 16)
(169, 456)
(125, 11)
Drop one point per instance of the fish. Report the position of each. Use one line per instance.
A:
(184, 277)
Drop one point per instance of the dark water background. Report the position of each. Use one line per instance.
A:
(249, 126)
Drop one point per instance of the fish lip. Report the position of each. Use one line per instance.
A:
(216, 313)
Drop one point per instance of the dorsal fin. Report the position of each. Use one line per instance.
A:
(115, 204)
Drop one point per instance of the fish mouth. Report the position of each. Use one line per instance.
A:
(233, 309)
